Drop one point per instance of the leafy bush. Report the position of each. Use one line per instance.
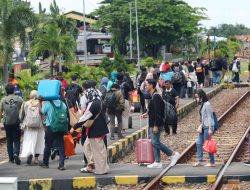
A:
(85, 73)
(28, 82)
(149, 62)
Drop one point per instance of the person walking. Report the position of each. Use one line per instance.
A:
(206, 129)
(115, 104)
(74, 89)
(94, 146)
(171, 96)
(56, 116)
(248, 80)
(10, 107)
(155, 116)
(236, 70)
(31, 122)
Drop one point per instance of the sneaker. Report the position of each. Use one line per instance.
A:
(17, 160)
(61, 168)
(53, 154)
(157, 165)
(44, 165)
(247, 163)
(174, 158)
(11, 161)
(112, 138)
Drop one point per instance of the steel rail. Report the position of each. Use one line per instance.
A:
(152, 185)
(218, 183)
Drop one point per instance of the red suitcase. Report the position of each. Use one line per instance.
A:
(144, 151)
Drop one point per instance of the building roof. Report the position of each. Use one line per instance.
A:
(243, 38)
(79, 16)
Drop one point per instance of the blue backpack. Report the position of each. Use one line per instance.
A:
(216, 122)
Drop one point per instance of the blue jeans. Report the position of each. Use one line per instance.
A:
(199, 143)
(216, 77)
(157, 145)
(13, 136)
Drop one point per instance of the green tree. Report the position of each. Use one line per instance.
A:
(15, 17)
(161, 22)
(51, 39)
(226, 30)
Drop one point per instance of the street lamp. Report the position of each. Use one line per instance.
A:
(84, 34)
(131, 39)
(137, 36)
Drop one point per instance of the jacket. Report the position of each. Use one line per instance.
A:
(207, 119)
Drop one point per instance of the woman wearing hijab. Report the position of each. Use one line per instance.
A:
(33, 139)
(103, 86)
(94, 146)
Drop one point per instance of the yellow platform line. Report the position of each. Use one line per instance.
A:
(84, 182)
(173, 179)
(126, 180)
(45, 184)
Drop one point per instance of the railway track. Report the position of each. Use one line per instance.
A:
(229, 138)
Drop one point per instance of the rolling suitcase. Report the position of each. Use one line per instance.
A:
(49, 89)
(144, 150)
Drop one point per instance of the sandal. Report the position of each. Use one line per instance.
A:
(197, 164)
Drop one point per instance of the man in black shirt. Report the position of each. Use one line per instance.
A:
(155, 123)
(171, 96)
(126, 91)
(76, 90)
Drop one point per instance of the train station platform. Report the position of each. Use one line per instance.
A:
(32, 177)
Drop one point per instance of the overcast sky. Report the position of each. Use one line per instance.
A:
(219, 11)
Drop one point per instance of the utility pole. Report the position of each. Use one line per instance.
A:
(214, 45)
(137, 36)
(131, 39)
(84, 34)
(208, 44)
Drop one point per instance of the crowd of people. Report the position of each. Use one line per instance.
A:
(105, 108)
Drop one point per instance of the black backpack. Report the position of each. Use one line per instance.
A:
(110, 101)
(177, 78)
(169, 113)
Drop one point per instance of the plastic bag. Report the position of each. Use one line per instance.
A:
(210, 146)
(69, 145)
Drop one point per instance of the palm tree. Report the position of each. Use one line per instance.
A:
(51, 39)
(15, 17)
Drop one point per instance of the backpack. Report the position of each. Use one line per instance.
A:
(33, 118)
(11, 112)
(110, 101)
(177, 78)
(59, 121)
(122, 89)
(169, 113)
(216, 122)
